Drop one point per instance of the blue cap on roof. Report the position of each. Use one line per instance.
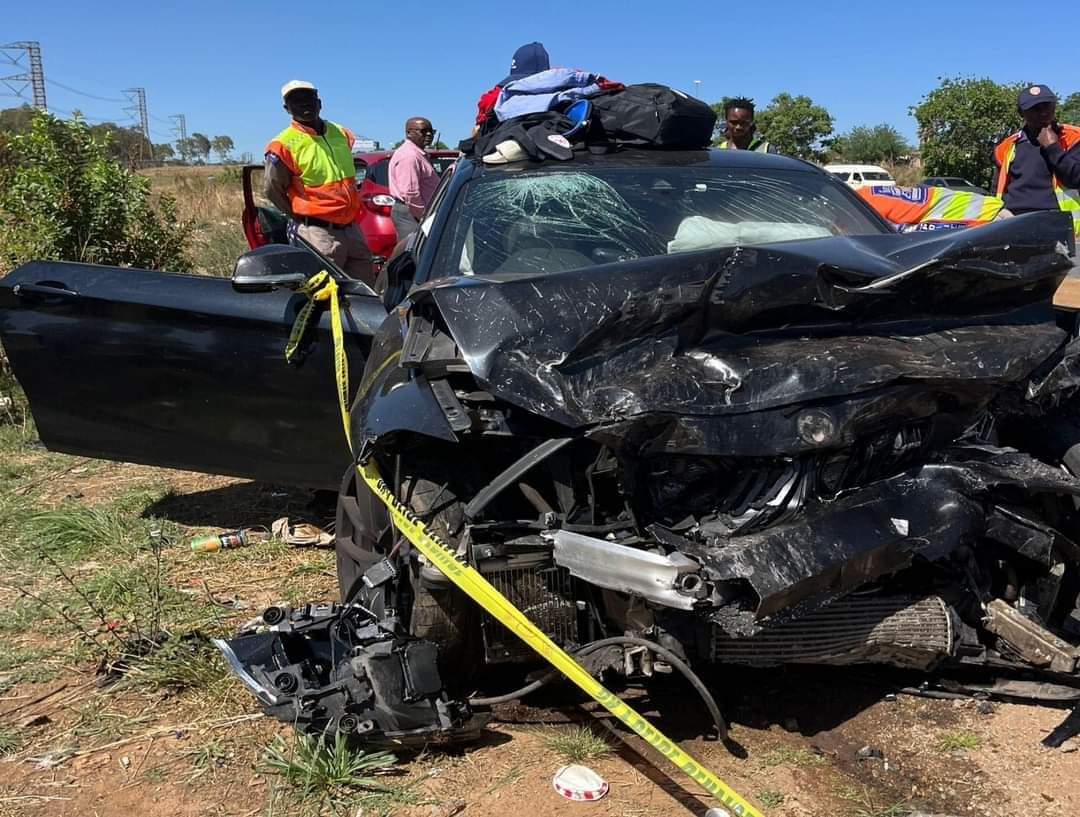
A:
(528, 60)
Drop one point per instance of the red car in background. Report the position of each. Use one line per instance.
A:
(264, 224)
(373, 179)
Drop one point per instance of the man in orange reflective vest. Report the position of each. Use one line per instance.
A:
(1039, 167)
(310, 176)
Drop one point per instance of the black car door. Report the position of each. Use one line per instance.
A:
(179, 371)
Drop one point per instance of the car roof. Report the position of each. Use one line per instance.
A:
(641, 157)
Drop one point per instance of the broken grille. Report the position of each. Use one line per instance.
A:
(543, 594)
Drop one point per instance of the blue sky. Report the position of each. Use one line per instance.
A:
(222, 63)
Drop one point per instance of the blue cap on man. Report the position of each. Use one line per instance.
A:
(1034, 95)
(528, 60)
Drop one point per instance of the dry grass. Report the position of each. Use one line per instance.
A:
(790, 756)
(85, 585)
(213, 197)
(867, 803)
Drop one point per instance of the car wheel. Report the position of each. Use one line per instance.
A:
(438, 611)
(362, 533)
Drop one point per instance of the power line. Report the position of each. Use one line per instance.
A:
(33, 75)
(98, 119)
(83, 93)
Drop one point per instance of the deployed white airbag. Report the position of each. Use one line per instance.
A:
(700, 233)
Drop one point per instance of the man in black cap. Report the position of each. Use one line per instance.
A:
(530, 59)
(1039, 167)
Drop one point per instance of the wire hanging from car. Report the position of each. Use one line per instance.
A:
(593, 646)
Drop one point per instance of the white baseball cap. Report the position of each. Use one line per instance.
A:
(296, 85)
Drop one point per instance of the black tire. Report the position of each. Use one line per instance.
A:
(438, 611)
(362, 532)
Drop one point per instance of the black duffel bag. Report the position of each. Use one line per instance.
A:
(654, 115)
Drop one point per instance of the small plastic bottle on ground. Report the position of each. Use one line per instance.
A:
(225, 541)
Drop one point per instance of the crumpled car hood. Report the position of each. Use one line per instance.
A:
(885, 325)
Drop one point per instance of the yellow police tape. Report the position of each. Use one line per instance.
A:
(319, 288)
(440, 554)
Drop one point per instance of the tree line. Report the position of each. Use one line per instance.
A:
(128, 144)
(196, 148)
(959, 122)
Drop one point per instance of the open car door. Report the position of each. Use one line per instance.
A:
(262, 223)
(179, 370)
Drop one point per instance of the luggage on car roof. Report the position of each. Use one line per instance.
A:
(652, 115)
(645, 115)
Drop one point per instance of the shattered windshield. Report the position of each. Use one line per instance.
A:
(568, 219)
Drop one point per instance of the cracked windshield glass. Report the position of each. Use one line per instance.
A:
(533, 223)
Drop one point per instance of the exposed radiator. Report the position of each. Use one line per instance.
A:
(899, 630)
(543, 594)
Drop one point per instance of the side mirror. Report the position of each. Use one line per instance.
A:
(274, 266)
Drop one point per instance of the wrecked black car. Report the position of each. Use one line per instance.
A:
(705, 398)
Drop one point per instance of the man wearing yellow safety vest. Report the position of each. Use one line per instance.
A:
(740, 129)
(310, 176)
(1039, 167)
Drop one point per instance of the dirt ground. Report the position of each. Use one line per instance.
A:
(806, 742)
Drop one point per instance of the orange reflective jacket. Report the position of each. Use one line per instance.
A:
(323, 174)
(931, 208)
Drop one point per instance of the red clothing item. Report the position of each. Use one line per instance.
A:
(489, 99)
(487, 104)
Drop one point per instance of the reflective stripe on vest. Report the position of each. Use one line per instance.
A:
(914, 206)
(756, 147)
(1068, 200)
(959, 205)
(326, 185)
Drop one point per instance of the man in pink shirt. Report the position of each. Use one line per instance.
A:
(412, 178)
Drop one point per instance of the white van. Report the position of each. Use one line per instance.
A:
(862, 175)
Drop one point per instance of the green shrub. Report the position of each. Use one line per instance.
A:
(63, 198)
